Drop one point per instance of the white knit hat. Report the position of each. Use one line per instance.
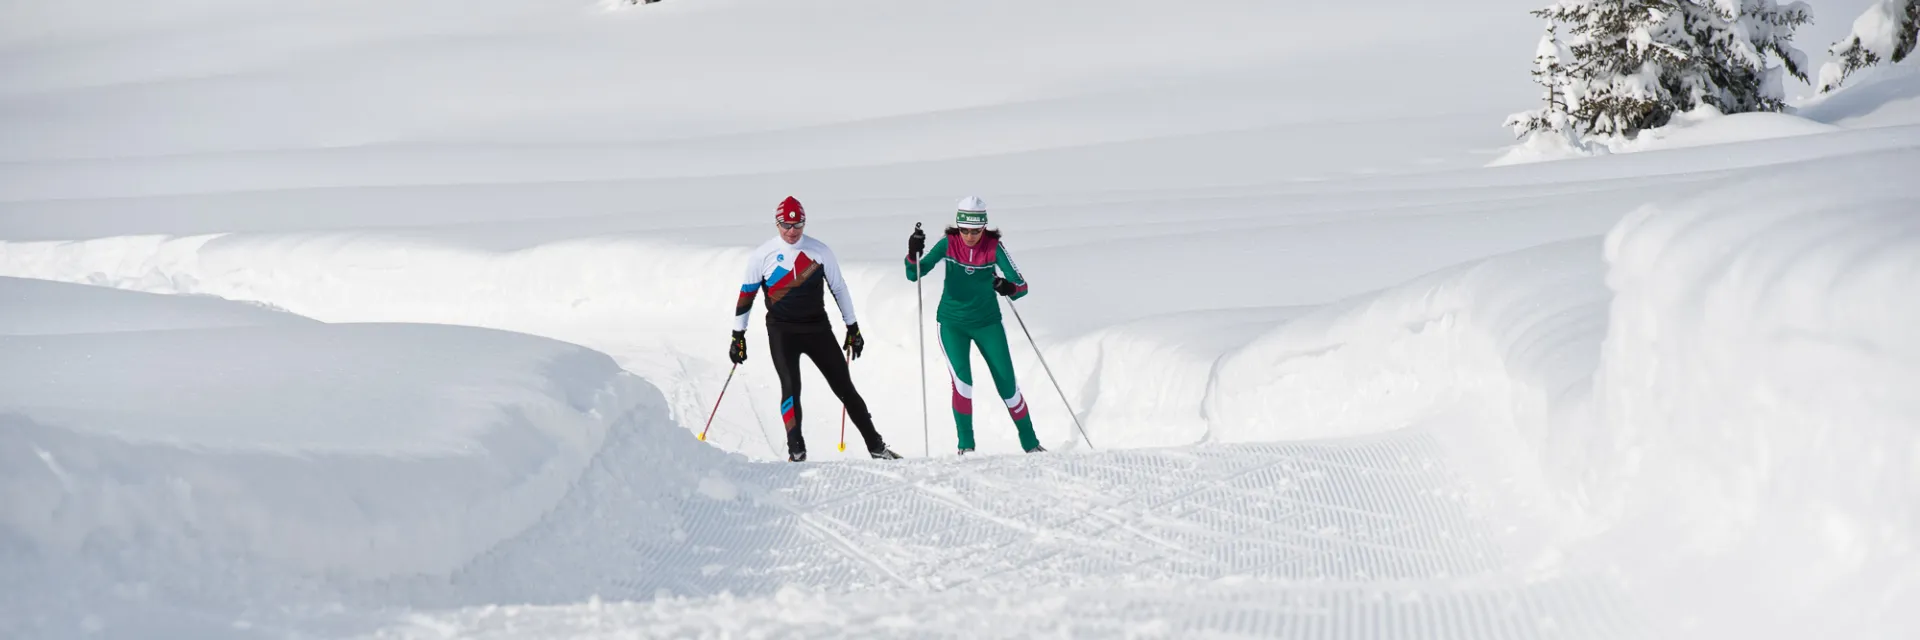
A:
(972, 212)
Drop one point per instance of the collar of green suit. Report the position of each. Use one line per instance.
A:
(981, 254)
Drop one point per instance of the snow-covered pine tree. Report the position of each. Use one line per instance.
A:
(1884, 32)
(1735, 42)
(1552, 118)
(1635, 63)
(1616, 64)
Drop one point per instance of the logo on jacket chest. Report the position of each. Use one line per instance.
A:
(786, 275)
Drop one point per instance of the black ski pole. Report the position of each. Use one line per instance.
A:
(920, 331)
(1050, 378)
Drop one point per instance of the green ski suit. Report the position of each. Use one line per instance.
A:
(969, 314)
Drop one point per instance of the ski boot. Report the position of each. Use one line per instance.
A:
(965, 451)
(797, 456)
(1037, 449)
(884, 454)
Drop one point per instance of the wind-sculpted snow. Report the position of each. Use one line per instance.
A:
(1144, 383)
(1757, 400)
(1510, 336)
(1880, 96)
(242, 465)
(1724, 406)
(45, 307)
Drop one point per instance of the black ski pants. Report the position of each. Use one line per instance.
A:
(785, 346)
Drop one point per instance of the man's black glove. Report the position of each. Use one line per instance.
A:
(916, 243)
(739, 350)
(855, 344)
(1003, 287)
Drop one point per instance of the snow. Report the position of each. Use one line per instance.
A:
(177, 438)
(1879, 96)
(1366, 532)
(1755, 387)
(44, 307)
(1547, 146)
(311, 325)
(1476, 336)
(1877, 32)
(1707, 126)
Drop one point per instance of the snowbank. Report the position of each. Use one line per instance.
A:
(1512, 336)
(36, 307)
(1876, 35)
(1546, 147)
(1701, 127)
(1144, 383)
(234, 463)
(1721, 411)
(1757, 394)
(354, 450)
(1707, 126)
(1493, 357)
(1878, 96)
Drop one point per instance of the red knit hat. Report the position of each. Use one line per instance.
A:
(790, 211)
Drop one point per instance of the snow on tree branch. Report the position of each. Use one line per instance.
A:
(1884, 32)
(1636, 63)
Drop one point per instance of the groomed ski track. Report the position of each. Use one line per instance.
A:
(1382, 534)
(1348, 380)
(1353, 537)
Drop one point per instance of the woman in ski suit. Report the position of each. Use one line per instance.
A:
(969, 315)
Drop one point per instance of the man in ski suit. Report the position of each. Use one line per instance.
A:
(969, 314)
(791, 269)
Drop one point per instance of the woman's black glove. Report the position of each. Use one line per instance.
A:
(1003, 287)
(855, 344)
(738, 352)
(917, 242)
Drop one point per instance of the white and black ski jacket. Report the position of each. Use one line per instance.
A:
(792, 276)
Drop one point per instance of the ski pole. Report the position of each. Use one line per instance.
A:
(716, 402)
(1043, 364)
(843, 407)
(920, 330)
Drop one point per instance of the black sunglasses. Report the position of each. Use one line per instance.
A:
(792, 225)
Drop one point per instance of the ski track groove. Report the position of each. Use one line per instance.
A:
(1364, 537)
(1167, 547)
(823, 525)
